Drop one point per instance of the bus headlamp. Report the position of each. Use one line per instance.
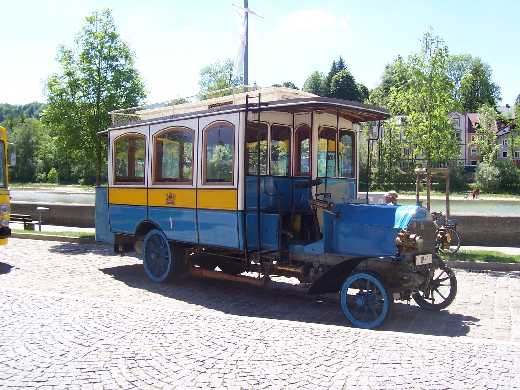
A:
(408, 242)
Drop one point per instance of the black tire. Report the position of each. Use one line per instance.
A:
(426, 298)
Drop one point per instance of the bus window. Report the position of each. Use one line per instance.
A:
(280, 150)
(327, 152)
(303, 151)
(218, 153)
(346, 153)
(256, 130)
(129, 159)
(2, 164)
(174, 156)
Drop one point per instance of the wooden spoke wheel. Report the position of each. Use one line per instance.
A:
(440, 292)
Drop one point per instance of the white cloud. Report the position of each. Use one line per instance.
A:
(313, 21)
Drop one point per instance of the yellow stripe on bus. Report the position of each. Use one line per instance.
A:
(218, 199)
(172, 197)
(130, 196)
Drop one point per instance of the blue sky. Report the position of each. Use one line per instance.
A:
(173, 39)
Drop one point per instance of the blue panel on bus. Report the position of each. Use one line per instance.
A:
(269, 227)
(124, 219)
(103, 233)
(177, 223)
(217, 227)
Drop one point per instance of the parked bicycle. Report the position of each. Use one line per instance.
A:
(447, 238)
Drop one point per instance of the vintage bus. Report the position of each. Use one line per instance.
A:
(5, 210)
(261, 183)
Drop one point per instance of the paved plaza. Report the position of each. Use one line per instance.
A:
(78, 316)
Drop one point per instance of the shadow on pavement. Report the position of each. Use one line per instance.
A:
(245, 300)
(80, 248)
(5, 268)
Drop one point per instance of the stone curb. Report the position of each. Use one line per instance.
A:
(43, 237)
(481, 266)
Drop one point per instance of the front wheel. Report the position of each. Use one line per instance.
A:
(364, 300)
(440, 292)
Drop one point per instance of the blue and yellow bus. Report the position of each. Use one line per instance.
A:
(266, 181)
(5, 210)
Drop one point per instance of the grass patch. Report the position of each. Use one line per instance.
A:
(50, 185)
(456, 195)
(482, 256)
(67, 233)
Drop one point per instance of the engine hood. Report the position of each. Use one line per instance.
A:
(368, 230)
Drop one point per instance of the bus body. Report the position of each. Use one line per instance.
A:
(5, 210)
(264, 181)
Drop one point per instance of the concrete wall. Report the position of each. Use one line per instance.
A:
(58, 213)
(489, 231)
(475, 230)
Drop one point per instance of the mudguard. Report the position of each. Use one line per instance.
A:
(330, 281)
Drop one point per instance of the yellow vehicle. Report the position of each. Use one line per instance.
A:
(5, 209)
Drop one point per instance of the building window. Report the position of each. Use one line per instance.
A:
(129, 159)
(504, 154)
(174, 156)
(504, 142)
(459, 136)
(303, 151)
(473, 151)
(517, 154)
(406, 152)
(473, 162)
(456, 122)
(327, 152)
(219, 151)
(256, 132)
(280, 150)
(346, 153)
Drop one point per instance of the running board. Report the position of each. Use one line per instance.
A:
(204, 273)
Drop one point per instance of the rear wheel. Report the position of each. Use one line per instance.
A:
(364, 300)
(161, 261)
(440, 292)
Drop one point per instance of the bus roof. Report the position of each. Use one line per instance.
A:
(272, 99)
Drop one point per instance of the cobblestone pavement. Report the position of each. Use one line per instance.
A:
(78, 316)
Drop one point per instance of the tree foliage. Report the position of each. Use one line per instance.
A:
(314, 82)
(477, 88)
(286, 84)
(425, 100)
(217, 77)
(485, 137)
(97, 76)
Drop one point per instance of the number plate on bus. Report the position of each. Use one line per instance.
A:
(423, 259)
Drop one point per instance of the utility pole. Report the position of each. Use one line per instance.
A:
(246, 46)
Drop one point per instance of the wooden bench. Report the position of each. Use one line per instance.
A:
(28, 223)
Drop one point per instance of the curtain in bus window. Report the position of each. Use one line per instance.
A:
(256, 131)
(280, 150)
(346, 154)
(303, 151)
(129, 159)
(174, 156)
(327, 152)
(219, 153)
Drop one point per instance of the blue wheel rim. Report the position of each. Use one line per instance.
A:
(364, 300)
(157, 256)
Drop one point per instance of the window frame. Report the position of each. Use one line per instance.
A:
(246, 152)
(154, 164)
(270, 144)
(354, 156)
(297, 172)
(203, 156)
(335, 151)
(135, 135)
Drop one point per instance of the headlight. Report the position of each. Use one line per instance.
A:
(4, 214)
(408, 242)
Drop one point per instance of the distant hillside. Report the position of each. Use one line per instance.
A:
(14, 112)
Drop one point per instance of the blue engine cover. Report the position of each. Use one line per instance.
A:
(368, 230)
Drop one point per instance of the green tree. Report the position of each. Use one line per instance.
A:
(477, 88)
(337, 66)
(97, 76)
(344, 86)
(217, 77)
(426, 99)
(26, 137)
(364, 93)
(286, 84)
(393, 77)
(313, 83)
(485, 137)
